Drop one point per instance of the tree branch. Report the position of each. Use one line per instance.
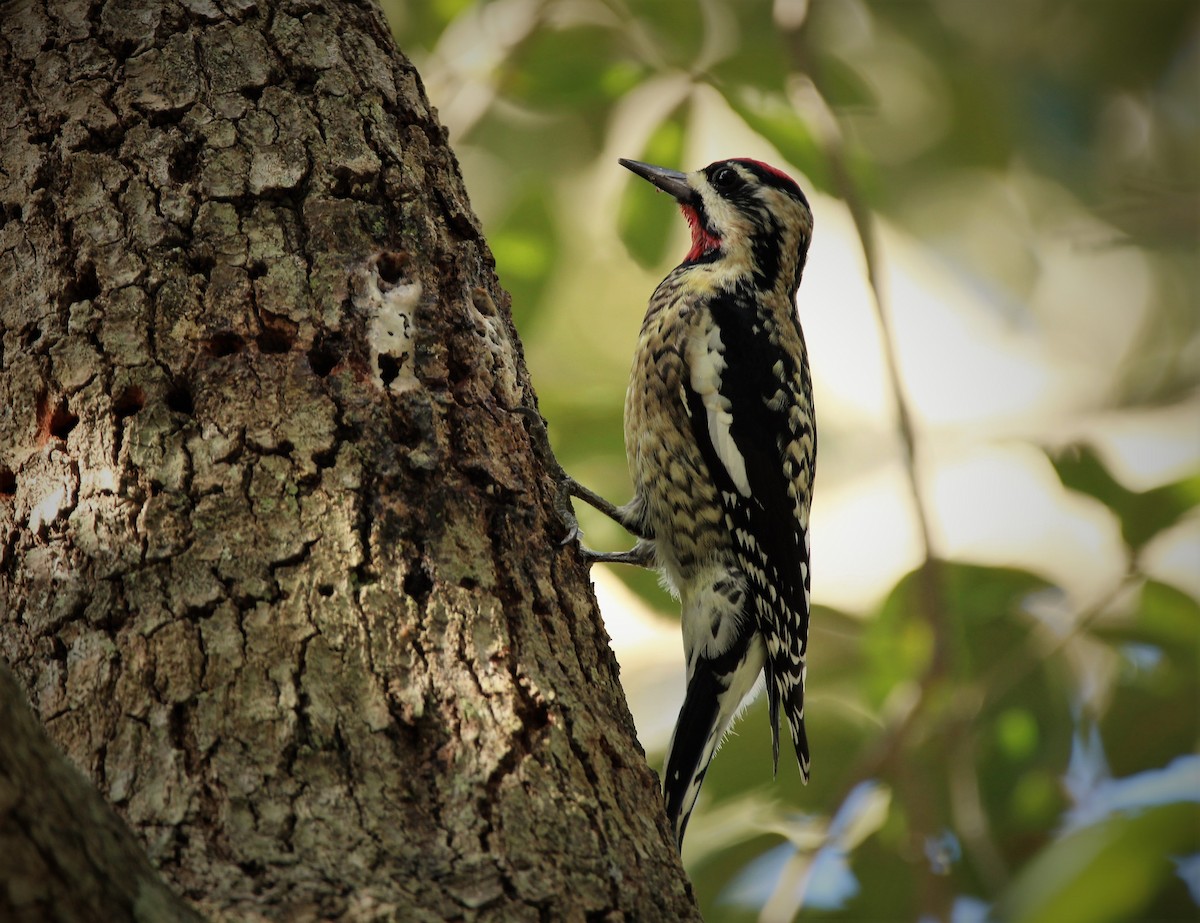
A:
(90, 869)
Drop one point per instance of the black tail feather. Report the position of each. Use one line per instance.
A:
(794, 708)
(773, 714)
(692, 748)
(785, 684)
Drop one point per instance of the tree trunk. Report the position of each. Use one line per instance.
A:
(279, 552)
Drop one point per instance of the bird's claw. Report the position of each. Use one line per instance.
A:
(531, 413)
(574, 534)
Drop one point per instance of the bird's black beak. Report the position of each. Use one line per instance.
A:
(669, 181)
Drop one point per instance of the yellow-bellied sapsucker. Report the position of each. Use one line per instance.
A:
(721, 443)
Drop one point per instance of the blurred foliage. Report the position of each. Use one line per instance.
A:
(987, 745)
(1143, 514)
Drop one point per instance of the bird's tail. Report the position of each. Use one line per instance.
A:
(692, 747)
(717, 691)
(785, 683)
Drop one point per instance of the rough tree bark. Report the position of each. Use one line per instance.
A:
(279, 560)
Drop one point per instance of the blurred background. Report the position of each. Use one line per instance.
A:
(1002, 307)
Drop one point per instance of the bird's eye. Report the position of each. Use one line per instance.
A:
(725, 178)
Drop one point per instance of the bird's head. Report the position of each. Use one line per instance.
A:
(743, 213)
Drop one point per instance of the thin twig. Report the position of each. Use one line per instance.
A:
(930, 586)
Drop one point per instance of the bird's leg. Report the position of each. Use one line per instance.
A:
(597, 502)
(641, 554)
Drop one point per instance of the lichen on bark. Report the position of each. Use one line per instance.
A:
(312, 633)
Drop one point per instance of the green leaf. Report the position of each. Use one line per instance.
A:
(758, 57)
(569, 68)
(844, 87)
(420, 25)
(1170, 613)
(646, 218)
(978, 609)
(1142, 515)
(1109, 871)
(1155, 713)
(1166, 616)
(674, 30)
(770, 115)
(525, 245)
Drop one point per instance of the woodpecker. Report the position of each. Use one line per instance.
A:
(721, 443)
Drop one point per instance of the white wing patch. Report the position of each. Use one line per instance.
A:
(706, 360)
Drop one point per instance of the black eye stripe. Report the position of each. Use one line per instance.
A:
(728, 180)
(725, 178)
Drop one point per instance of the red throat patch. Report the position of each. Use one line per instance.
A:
(703, 242)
